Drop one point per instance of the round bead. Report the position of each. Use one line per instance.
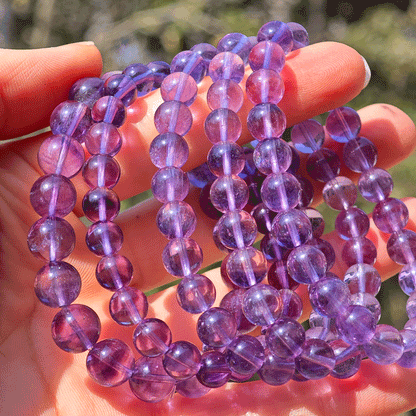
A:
(206, 51)
(265, 121)
(317, 221)
(101, 171)
(347, 359)
(114, 272)
(142, 77)
(159, 71)
(401, 247)
(104, 139)
(121, 86)
(375, 184)
(101, 204)
(326, 248)
(192, 388)
(352, 223)
(276, 371)
(176, 219)
(279, 278)
(76, 328)
(179, 87)
(308, 136)
(265, 86)
(169, 149)
(152, 337)
(343, 124)
(272, 156)
(390, 215)
(226, 65)
(300, 35)
(110, 362)
(323, 165)
(267, 55)
(170, 184)
(226, 159)
(225, 93)
(182, 360)
(173, 117)
(214, 371)
(128, 306)
(201, 176)
(278, 32)
(86, 90)
(110, 110)
(368, 301)
(363, 278)
(263, 217)
(236, 43)
(295, 165)
(104, 238)
(292, 304)
(408, 358)
(411, 306)
(359, 154)
(307, 192)
(222, 125)
(191, 63)
(407, 278)
(340, 193)
(229, 192)
(360, 250)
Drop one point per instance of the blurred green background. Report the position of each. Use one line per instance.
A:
(129, 31)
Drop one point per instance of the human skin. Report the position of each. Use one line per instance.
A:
(36, 377)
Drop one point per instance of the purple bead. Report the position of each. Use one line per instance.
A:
(192, 388)
(57, 284)
(390, 215)
(271, 249)
(196, 294)
(246, 267)
(222, 125)
(179, 87)
(225, 93)
(326, 248)
(352, 223)
(109, 109)
(360, 250)
(265, 121)
(114, 272)
(210, 211)
(104, 139)
(226, 65)
(152, 337)
(368, 301)
(173, 117)
(201, 176)
(265, 86)
(51, 239)
(182, 360)
(410, 324)
(295, 164)
(142, 77)
(386, 347)
(267, 55)
(317, 221)
(408, 358)
(263, 217)
(340, 193)
(300, 35)
(182, 257)
(272, 156)
(229, 193)
(101, 204)
(236, 43)
(279, 278)
(278, 32)
(359, 154)
(107, 75)
(323, 165)
(206, 51)
(62, 155)
(343, 124)
(101, 171)
(407, 279)
(170, 184)
(226, 159)
(121, 86)
(276, 371)
(104, 238)
(87, 91)
(401, 246)
(159, 70)
(308, 136)
(150, 382)
(71, 118)
(216, 327)
(323, 333)
(176, 219)
(169, 149)
(363, 278)
(292, 304)
(214, 371)
(317, 320)
(191, 63)
(411, 305)
(375, 184)
(76, 328)
(347, 359)
(110, 362)
(128, 306)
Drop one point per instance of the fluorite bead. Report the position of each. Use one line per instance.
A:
(300, 35)
(226, 65)
(351, 223)
(279, 278)
(407, 279)
(326, 248)
(401, 246)
(182, 360)
(104, 238)
(51, 239)
(176, 219)
(323, 165)
(121, 86)
(110, 362)
(343, 124)
(104, 139)
(170, 184)
(152, 337)
(225, 93)
(128, 306)
(196, 294)
(216, 327)
(229, 192)
(173, 117)
(359, 250)
(265, 121)
(278, 32)
(390, 215)
(191, 63)
(150, 382)
(267, 55)
(222, 125)
(76, 328)
(272, 156)
(62, 155)
(308, 136)
(363, 278)
(179, 86)
(109, 109)
(57, 284)
(169, 149)
(226, 159)
(214, 371)
(411, 306)
(265, 86)
(276, 371)
(340, 193)
(114, 272)
(368, 301)
(142, 77)
(236, 43)
(347, 359)
(359, 154)
(408, 358)
(159, 70)
(87, 91)
(375, 184)
(192, 388)
(206, 51)
(306, 264)
(101, 204)
(264, 217)
(101, 170)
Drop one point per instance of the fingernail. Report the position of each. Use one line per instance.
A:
(86, 43)
(367, 72)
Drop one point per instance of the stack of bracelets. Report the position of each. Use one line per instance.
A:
(343, 326)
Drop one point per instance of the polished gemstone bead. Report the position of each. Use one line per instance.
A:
(122, 87)
(360, 250)
(173, 117)
(267, 55)
(101, 170)
(143, 76)
(169, 149)
(340, 193)
(326, 248)
(306, 193)
(390, 215)
(276, 371)
(225, 93)
(236, 43)
(206, 51)
(317, 221)
(107, 75)
(407, 278)
(263, 217)
(201, 176)
(351, 223)
(182, 360)
(191, 63)
(300, 35)
(318, 320)
(76, 328)
(323, 165)
(191, 388)
(292, 304)
(128, 306)
(265, 121)
(401, 246)
(279, 278)
(359, 154)
(214, 371)
(103, 138)
(176, 219)
(347, 359)
(368, 301)
(362, 278)
(308, 136)
(375, 184)
(271, 248)
(87, 91)
(110, 362)
(101, 204)
(226, 65)
(343, 124)
(408, 358)
(170, 184)
(295, 164)
(159, 70)
(323, 333)
(229, 193)
(265, 86)
(411, 306)
(104, 238)
(179, 86)
(114, 272)
(226, 159)
(410, 324)
(152, 337)
(222, 125)
(278, 32)
(272, 156)
(109, 109)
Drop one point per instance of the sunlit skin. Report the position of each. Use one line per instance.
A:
(36, 377)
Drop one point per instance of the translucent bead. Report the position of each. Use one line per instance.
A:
(179, 87)
(62, 155)
(222, 125)
(308, 136)
(351, 223)
(226, 65)
(229, 193)
(182, 360)
(101, 204)
(142, 77)
(265, 86)
(170, 184)
(360, 250)
(169, 149)
(214, 371)
(317, 320)
(306, 264)
(375, 184)
(210, 211)
(128, 306)
(271, 248)
(292, 304)
(323, 333)
(51, 239)
(53, 195)
(57, 284)
(317, 221)
(107, 75)
(267, 55)
(401, 247)
(347, 359)
(159, 71)
(225, 93)
(272, 156)
(173, 117)
(390, 215)
(407, 279)
(110, 110)
(206, 51)
(363, 278)
(300, 35)
(226, 159)
(104, 238)
(306, 193)
(410, 324)
(265, 121)
(236, 43)
(121, 86)
(340, 193)
(101, 170)
(411, 305)
(280, 191)
(103, 138)
(76, 328)
(278, 32)
(196, 294)
(246, 267)
(285, 338)
(326, 248)
(71, 118)
(357, 325)
(279, 278)
(216, 327)
(291, 228)
(201, 176)
(408, 358)
(343, 124)
(386, 347)
(359, 154)
(182, 256)
(368, 301)
(87, 91)
(191, 63)
(150, 382)
(295, 164)
(110, 362)
(276, 371)
(323, 165)
(114, 272)
(263, 217)
(152, 337)
(191, 388)
(176, 219)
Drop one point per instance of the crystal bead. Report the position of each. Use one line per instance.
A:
(182, 257)
(236, 43)
(360, 250)
(114, 272)
(222, 125)
(226, 65)
(271, 248)
(278, 32)
(359, 154)
(229, 193)
(104, 238)
(101, 204)
(401, 246)
(272, 156)
(173, 117)
(326, 248)
(267, 55)
(179, 87)
(225, 93)
(351, 223)
(226, 159)
(408, 358)
(279, 278)
(276, 371)
(214, 371)
(363, 278)
(169, 149)
(368, 301)
(191, 63)
(407, 279)
(295, 164)
(152, 337)
(159, 70)
(390, 215)
(265, 86)
(170, 184)
(182, 360)
(308, 136)
(375, 184)
(206, 51)
(317, 221)
(103, 138)
(201, 176)
(109, 109)
(300, 35)
(347, 359)
(292, 304)
(142, 77)
(122, 87)
(340, 193)
(101, 171)
(87, 91)
(343, 124)
(128, 306)
(176, 219)
(191, 388)
(411, 306)
(265, 121)
(263, 217)
(323, 165)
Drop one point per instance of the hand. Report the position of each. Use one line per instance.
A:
(38, 378)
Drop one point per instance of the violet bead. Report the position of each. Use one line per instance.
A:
(300, 35)
(408, 358)
(390, 215)
(101, 204)
(173, 117)
(351, 223)
(114, 272)
(347, 359)
(401, 246)
(265, 121)
(170, 184)
(279, 278)
(62, 155)
(206, 51)
(359, 154)
(225, 93)
(407, 279)
(323, 165)
(182, 360)
(263, 217)
(191, 63)
(323, 333)
(271, 248)
(104, 238)
(57, 284)
(196, 294)
(128, 306)
(272, 156)
(176, 219)
(411, 306)
(363, 278)
(101, 171)
(179, 87)
(169, 149)
(229, 193)
(375, 184)
(326, 248)
(368, 301)
(159, 70)
(107, 75)
(292, 304)
(51, 239)
(295, 164)
(109, 109)
(276, 371)
(318, 320)
(278, 32)
(308, 136)
(265, 86)
(306, 193)
(222, 125)
(142, 77)
(152, 337)
(226, 65)
(191, 388)
(226, 159)
(121, 86)
(267, 55)
(410, 324)
(150, 382)
(214, 371)
(340, 193)
(103, 138)
(317, 221)
(360, 250)
(343, 124)
(87, 91)
(76, 328)
(110, 362)
(236, 43)
(201, 176)
(216, 327)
